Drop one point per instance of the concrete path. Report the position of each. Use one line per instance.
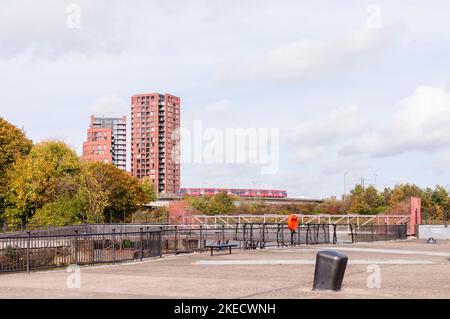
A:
(409, 269)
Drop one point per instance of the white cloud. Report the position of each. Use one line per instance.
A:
(326, 129)
(177, 46)
(109, 106)
(308, 155)
(355, 165)
(305, 58)
(222, 106)
(39, 28)
(419, 124)
(440, 165)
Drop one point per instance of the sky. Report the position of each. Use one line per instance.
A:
(355, 89)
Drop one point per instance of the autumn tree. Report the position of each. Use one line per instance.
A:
(358, 203)
(46, 184)
(14, 145)
(403, 192)
(387, 195)
(104, 193)
(38, 179)
(221, 204)
(110, 194)
(218, 204)
(329, 206)
(199, 203)
(94, 193)
(434, 202)
(253, 207)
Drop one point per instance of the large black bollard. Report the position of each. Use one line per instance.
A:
(330, 270)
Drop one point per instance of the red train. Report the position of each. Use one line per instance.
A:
(263, 193)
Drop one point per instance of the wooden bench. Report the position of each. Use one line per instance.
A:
(220, 247)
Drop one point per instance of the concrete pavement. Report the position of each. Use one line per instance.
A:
(408, 269)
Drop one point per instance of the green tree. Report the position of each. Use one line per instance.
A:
(14, 145)
(434, 202)
(64, 211)
(199, 203)
(374, 200)
(218, 204)
(358, 204)
(221, 204)
(440, 197)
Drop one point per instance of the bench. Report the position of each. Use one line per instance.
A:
(220, 247)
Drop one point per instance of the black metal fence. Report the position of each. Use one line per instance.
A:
(371, 233)
(264, 235)
(34, 251)
(84, 229)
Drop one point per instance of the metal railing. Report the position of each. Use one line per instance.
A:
(341, 220)
(371, 233)
(263, 235)
(189, 238)
(83, 229)
(35, 251)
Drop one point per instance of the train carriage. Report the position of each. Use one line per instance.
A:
(241, 192)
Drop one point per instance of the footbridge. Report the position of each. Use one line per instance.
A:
(344, 220)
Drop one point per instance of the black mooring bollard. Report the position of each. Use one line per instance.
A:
(330, 270)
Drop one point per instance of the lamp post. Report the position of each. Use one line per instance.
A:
(254, 182)
(345, 189)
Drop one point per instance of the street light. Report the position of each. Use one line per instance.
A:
(254, 182)
(345, 189)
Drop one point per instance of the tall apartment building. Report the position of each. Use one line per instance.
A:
(107, 141)
(98, 147)
(155, 137)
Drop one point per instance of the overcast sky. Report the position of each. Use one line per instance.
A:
(354, 86)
